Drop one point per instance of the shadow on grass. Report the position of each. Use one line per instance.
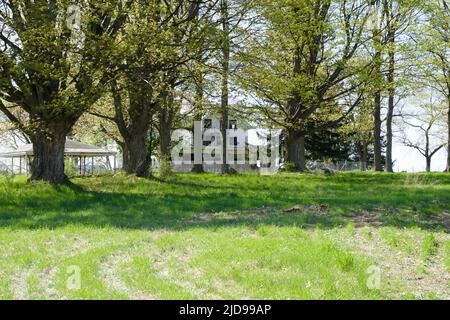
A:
(179, 202)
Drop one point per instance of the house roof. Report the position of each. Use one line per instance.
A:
(72, 148)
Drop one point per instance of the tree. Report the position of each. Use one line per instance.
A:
(433, 38)
(159, 39)
(225, 71)
(234, 24)
(304, 60)
(399, 15)
(428, 124)
(377, 22)
(359, 129)
(54, 71)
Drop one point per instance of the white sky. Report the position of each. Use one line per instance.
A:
(408, 159)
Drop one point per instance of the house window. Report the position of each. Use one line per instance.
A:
(207, 123)
(232, 124)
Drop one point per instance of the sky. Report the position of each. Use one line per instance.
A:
(408, 159)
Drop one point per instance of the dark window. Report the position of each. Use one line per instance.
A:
(208, 123)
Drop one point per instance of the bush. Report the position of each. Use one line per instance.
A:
(290, 167)
(165, 170)
(69, 168)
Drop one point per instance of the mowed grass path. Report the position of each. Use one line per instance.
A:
(290, 236)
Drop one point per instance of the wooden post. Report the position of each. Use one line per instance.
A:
(20, 165)
(115, 164)
(92, 165)
(28, 160)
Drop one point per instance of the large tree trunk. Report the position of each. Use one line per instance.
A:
(136, 160)
(48, 158)
(135, 157)
(295, 149)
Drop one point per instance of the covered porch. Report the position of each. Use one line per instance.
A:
(83, 158)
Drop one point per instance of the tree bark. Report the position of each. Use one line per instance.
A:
(428, 159)
(428, 154)
(198, 115)
(377, 132)
(448, 132)
(134, 133)
(165, 126)
(225, 168)
(166, 115)
(295, 149)
(198, 107)
(48, 157)
(377, 42)
(390, 113)
(391, 28)
(164, 143)
(125, 154)
(363, 156)
(136, 160)
(389, 137)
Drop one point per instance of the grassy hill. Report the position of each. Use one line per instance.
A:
(347, 236)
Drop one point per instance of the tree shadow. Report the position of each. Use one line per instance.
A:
(222, 207)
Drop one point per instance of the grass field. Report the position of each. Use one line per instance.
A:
(290, 236)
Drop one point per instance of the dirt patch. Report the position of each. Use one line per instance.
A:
(443, 219)
(229, 215)
(208, 217)
(365, 218)
(317, 208)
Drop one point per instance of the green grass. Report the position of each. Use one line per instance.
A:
(227, 237)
